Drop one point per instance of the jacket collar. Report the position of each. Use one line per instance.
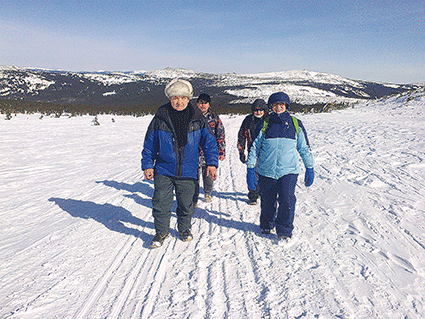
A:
(279, 118)
(163, 111)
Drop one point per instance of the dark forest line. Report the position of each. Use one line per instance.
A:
(9, 107)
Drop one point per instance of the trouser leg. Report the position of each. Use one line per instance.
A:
(185, 189)
(161, 203)
(254, 194)
(196, 194)
(286, 200)
(207, 180)
(268, 193)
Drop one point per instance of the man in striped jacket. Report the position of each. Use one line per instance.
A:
(217, 128)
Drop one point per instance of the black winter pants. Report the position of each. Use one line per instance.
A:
(162, 200)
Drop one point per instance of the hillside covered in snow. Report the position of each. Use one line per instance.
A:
(145, 88)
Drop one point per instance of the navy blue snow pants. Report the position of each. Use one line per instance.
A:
(278, 203)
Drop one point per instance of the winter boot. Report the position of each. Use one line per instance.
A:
(283, 238)
(158, 240)
(186, 235)
(266, 231)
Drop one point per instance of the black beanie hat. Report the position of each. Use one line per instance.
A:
(259, 104)
(204, 97)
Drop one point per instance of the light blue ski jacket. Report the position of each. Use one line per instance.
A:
(274, 152)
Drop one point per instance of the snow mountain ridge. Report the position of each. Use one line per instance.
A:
(103, 87)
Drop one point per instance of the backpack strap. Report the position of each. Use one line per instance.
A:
(297, 127)
(265, 124)
(294, 120)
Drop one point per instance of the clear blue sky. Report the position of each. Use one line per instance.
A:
(365, 40)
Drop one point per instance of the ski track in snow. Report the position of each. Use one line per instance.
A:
(76, 225)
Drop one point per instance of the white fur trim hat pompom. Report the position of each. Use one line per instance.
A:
(179, 87)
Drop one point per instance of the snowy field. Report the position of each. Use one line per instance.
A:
(75, 225)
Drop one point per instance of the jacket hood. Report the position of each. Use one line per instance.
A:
(279, 97)
(259, 104)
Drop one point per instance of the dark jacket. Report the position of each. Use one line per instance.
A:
(246, 131)
(161, 151)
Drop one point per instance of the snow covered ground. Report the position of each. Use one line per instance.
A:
(75, 225)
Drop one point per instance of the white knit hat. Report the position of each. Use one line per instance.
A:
(179, 87)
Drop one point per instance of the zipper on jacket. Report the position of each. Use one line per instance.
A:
(179, 160)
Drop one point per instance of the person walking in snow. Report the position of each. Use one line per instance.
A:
(274, 156)
(217, 128)
(245, 138)
(170, 156)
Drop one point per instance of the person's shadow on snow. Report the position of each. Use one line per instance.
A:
(145, 188)
(210, 216)
(113, 217)
(214, 217)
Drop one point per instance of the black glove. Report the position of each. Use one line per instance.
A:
(242, 157)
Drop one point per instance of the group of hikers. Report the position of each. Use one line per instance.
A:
(184, 142)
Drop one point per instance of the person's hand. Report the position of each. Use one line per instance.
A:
(251, 179)
(309, 177)
(242, 157)
(212, 170)
(221, 157)
(148, 173)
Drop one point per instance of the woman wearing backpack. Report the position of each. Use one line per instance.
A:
(274, 155)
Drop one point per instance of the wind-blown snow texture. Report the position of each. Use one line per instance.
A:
(76, 224)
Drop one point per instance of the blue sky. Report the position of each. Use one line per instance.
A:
(365, 40)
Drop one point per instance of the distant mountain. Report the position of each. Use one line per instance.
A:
(146, 88)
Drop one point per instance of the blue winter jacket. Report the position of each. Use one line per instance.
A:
(161, 151)
(274, 152)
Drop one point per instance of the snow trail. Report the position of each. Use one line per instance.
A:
(76, 225)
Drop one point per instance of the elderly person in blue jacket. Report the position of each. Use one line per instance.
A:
(274, 154)
(170, 156)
